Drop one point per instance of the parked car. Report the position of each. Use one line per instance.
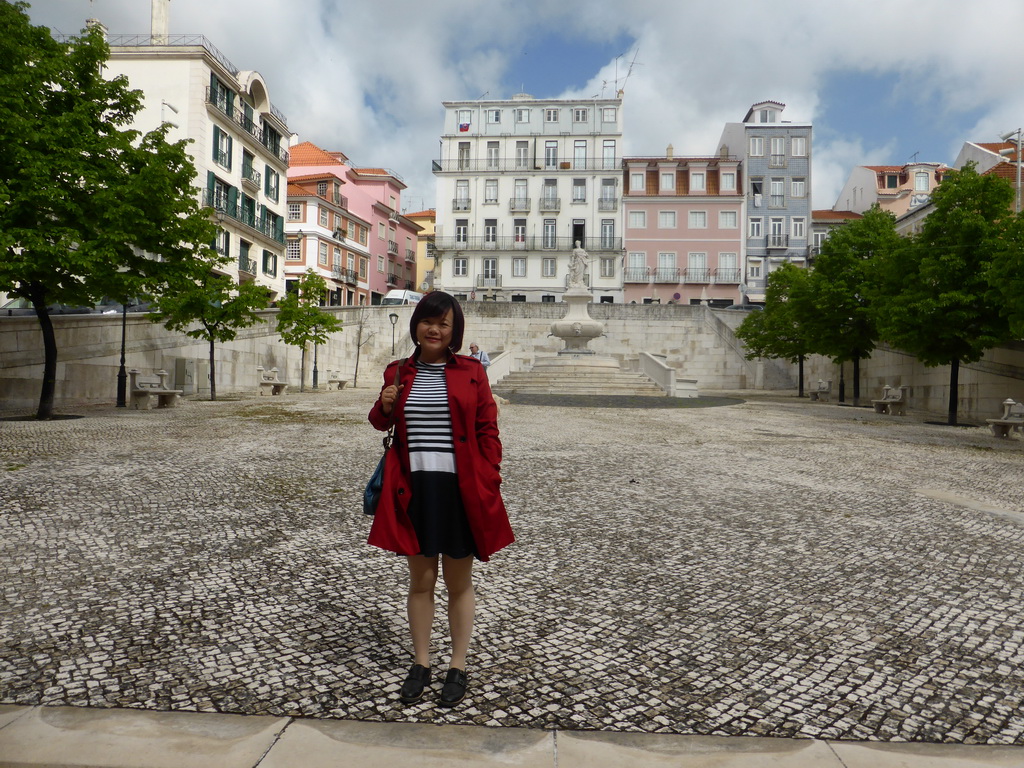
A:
(745, 307)
(24, 307)
(111, 307)
(401, 297)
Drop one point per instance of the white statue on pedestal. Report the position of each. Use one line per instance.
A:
(578, 263)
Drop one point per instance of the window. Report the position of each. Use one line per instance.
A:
(550, 154)
(799, 228)
(776, 236)
(222, 143)
(756, 146)
(608, 114)
(728, 181)
(754, 227)
(293, 249)
(462, 195)
(728, 269)
(491, 191)
(461, 230)
(637, 182)
(798, 146)
(548, 268)
(272, 184)
(381, 232)
(323, 216)
(522, 115)
(269, 263)
(351, 230)
(755, 270)
(607, 233)
(666, 219)
(579, 115)
(519, 232)
(798, 187)
(698, 219)
(550, 241)
(698, 181)
(607, 267)
(550, 115)
(363, 234)
(519, 267)
(697, 267)
(728, 220)
(778, 152)
(323, 254)
(547, 298)
(777, 191)
(464, 118)
(223, 242)
(637, 219)
(321, 188)
(668, 181)
(490, 270)
(492, 154)
(579, 190)
(608, 188)
(921, 181)
(666, 268)
(520, 195)
(522, 154)
(579, 153)
(463, 162)
(380, 264)
(490, 232)
(294, 211)
(493, 116)
(608, 153)
(549, 192)
(364, 267)
(460, 267)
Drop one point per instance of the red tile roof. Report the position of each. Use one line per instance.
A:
(828, 213)
(307, 153)
(427, 214)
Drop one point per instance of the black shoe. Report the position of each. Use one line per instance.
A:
(412, 689)
(454, 689)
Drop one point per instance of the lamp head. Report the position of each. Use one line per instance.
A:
(1010, 135)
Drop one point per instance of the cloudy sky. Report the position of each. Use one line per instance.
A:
(883, 81)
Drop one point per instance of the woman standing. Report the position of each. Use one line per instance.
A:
(441, 502)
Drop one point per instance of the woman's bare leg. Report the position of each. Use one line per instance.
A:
(458, 579)
(420, 604)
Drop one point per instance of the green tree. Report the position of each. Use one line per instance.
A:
(88, 207)
(301, 321)
(934, 299)
(779, 330)
(841, 324)
(1006, 274)
(216, 305)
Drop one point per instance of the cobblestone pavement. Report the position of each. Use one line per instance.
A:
(774, 567)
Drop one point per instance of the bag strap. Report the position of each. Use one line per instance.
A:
(391, 421)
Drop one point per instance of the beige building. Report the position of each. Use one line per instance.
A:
(896, 188)
(424, 247)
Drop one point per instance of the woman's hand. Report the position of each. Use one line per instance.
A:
(388, 397)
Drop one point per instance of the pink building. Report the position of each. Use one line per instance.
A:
(683, 236)
(377, 244)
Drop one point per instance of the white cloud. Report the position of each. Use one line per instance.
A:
(368, 78)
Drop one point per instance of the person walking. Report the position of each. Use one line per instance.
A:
(441, 502)
(479, 354)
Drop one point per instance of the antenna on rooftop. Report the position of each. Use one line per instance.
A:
(478, 98)
(913, 157)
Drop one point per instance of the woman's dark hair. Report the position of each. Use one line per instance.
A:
(435, 304)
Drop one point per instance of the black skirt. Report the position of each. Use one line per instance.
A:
(438, 516)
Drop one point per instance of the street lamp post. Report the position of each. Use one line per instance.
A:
(122, 375)
(315, 372)
(394, 319)
(1017, 158)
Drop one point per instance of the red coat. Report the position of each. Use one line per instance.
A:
(477, 460)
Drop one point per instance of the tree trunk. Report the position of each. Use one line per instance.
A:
(302, 369)
(800, 372)
(49, 388)
(954, 387)
(856, 381)
(213, 375)
(842, 383)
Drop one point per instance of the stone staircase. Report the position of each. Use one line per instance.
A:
(577, 375)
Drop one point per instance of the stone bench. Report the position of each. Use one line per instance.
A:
(893, 402)
(142, 387)
(269, 381)
(334, 380)
(823, 391)
(1012, 418)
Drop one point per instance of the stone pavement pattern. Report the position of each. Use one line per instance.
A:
(775, 568)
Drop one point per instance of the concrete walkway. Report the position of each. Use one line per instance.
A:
(769, 583)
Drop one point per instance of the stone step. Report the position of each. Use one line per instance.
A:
(577, 383)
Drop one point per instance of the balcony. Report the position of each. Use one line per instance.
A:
(393, 279)
(526, 243)
(345, 275)
(550, 204)
(458, 204)
(777, 161)
(251, 178)
(636, 274)
(488, 281)
(497, 165)
(697, 276)
(267, 227)
(666, 275)
(247, 265)
(777, 241)
(392, 247)
(410, 254)
(607, 204)
(519, 205)
(727, 276)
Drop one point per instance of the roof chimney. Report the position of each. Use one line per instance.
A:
(669, 150)
(160, 21)
(97, 24)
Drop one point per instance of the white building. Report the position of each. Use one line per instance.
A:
(239, 140)
(519, 181)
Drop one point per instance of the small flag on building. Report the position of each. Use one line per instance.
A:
(463, 127)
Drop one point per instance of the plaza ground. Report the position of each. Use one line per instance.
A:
(845, 586)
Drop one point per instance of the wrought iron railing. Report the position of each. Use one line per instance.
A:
(697, 275)
(666, 275)
(526, 243)
(726, 275)
(492, 165)
(488, 281)
(636, 274)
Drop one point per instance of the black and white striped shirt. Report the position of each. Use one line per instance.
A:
(428, 421)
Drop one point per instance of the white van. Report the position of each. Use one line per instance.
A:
(401, 297)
